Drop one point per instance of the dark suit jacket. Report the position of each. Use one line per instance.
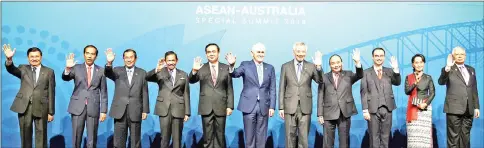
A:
(252, 89)
(369, 90)
(96, 93)
(332, 100)
(290, 90)
(459, 94)
(42, 94)
(425, 88)
(174, 97)
(134, 96)
(214, 98)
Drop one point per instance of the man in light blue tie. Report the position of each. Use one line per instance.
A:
(258, 97)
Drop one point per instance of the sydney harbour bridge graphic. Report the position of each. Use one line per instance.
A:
(434, 42)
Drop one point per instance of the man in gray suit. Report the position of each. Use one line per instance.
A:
(295, 95)
(335, 100)
(377, 97)
(130, 103)
(216, 96)
(461, 100)
(35, 101)
(89, 100)
(173, 101)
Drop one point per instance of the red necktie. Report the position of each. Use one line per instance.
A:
(88, 77)
(379, 74)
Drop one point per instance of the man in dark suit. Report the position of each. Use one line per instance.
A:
(258, 97)
(216, 96)
(35, 101)
(295, 94)
(173, 101)
(461, 100)
(89, 100)
(335, 100)
(377, 97)
(130, 103)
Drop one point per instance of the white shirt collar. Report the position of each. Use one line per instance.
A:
(257, 64)
(460, 65)
(92, 66)
(216, 64)
(296, 62)
(132, 69)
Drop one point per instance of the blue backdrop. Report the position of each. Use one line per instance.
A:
(152, 28)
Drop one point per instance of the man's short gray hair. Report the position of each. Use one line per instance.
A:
(297, 44)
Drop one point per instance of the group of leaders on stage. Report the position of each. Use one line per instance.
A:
(88, 105)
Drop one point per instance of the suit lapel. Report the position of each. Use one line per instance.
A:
(265, 75)
(302, 75)
(331, 79)
(125, 74)
(134, 77)
(84, 73)
(459, 74)
(206, 67)
(218, 74)
(253, 68)
(293, 70)
(29, 74)
(341, 75)
(166, 78)
(41, 75)
(374, 76)
(94, 74)
(471, 75)
(177, 77)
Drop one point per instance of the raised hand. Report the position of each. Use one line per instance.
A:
(110, 55)
(318, 58)
(8, 51)
(161, 64)
(70, 61)
(197, 63)
(450, 60)
(356, 56)
(394, 62)
(231, 58)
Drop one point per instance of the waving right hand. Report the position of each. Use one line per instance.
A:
(8, 51)
(110, 55)
(197, 63)
(450, 60)
(161, 64)
(70, 61)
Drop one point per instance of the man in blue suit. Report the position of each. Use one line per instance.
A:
(258, 97)
(89, 101)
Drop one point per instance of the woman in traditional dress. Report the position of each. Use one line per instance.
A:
(420, 90)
